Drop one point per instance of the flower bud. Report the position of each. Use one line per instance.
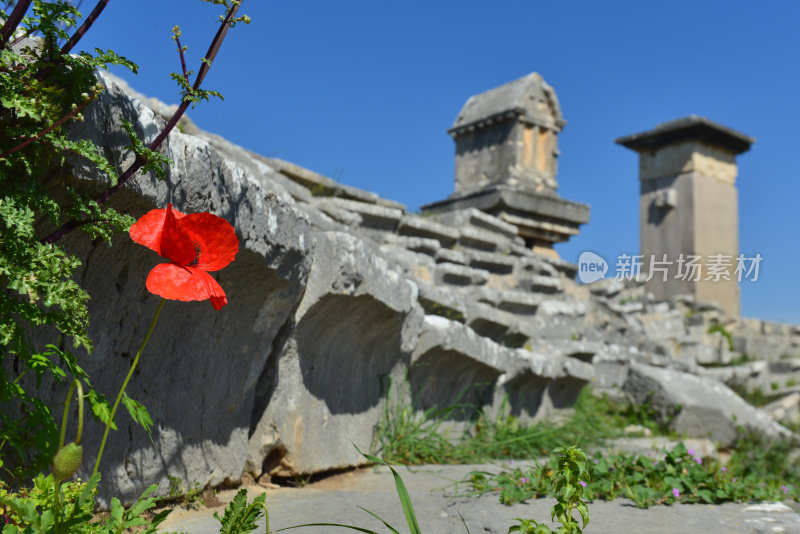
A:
(67, 460)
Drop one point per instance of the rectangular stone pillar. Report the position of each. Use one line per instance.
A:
(689, 218)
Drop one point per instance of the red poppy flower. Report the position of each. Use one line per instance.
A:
(196, 244)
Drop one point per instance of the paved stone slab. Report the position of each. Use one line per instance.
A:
(440, 510)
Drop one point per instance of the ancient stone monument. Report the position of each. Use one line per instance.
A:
(507, 160)
(689, 209)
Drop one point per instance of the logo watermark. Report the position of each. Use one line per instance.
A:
(591, 267)
(686, 267)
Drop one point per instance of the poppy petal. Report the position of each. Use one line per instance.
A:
(174, 282)
(148, 229)
(176, 244)
(215, 238)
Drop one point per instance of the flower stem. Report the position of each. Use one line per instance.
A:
(124, 385)
(72, 386)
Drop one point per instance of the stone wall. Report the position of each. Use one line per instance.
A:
(333, 292)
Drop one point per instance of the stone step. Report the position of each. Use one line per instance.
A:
(452, 365)
(540, 284)
(493, 262)
(534, 265)
(451, 256)
(322, 186)
(441, 302)
(499, 326)
(479, 219)
(414, 225)
(373, 216)
(418, 266)
(460, 275)
(476, 238)
(423, 245)
(511, 301)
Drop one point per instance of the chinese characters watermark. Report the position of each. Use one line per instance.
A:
(685, 267)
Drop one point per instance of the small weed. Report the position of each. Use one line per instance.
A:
(408, 436)
(721, 329)
(756, 471)
(791, 382)
(570, 479)
(756, 396)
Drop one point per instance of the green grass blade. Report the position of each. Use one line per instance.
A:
(402, 493)
(351, 527)
(379, 518)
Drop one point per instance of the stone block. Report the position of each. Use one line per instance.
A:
(608, 287)
(475, 238)
(422, 245)
(460, 275)
(492, 262)
(451, 256)
(323, 389)
(441, 302)
(478, 219)
(372, 216)
(697, 406)
(320, 185)
(214, 357)
(540, 284)
(414, 225)
(335, 212)
(511, 301)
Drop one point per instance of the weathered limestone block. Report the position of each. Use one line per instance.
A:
(476, 238)
(451, 256)
(319, 220)
(492, 262)
(500, 326)
(517, 302)
(419, 267)
(424, 245)
(356, 325)
(257, 166)
(698, 406)
(323, 186)
(608, 288)
(479, 219)
(438, 301)
(373, 216)
(198, 373)
(767, 347)
(534, 265)
(554, 380)
(336, 212)
(413, 225)
(453, 365)
(460, 275)
(540, 284)
(785, 409)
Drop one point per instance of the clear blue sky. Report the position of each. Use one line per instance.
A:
(364, 91)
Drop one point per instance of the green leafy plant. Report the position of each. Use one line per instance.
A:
(409, 436)
(756, 471)
(568, 485)
(44, 87)
(721, 329)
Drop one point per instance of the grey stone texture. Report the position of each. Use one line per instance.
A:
(334, 292)
(689, 205)
(697, 406)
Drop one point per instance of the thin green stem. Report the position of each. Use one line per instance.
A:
(124, 385)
